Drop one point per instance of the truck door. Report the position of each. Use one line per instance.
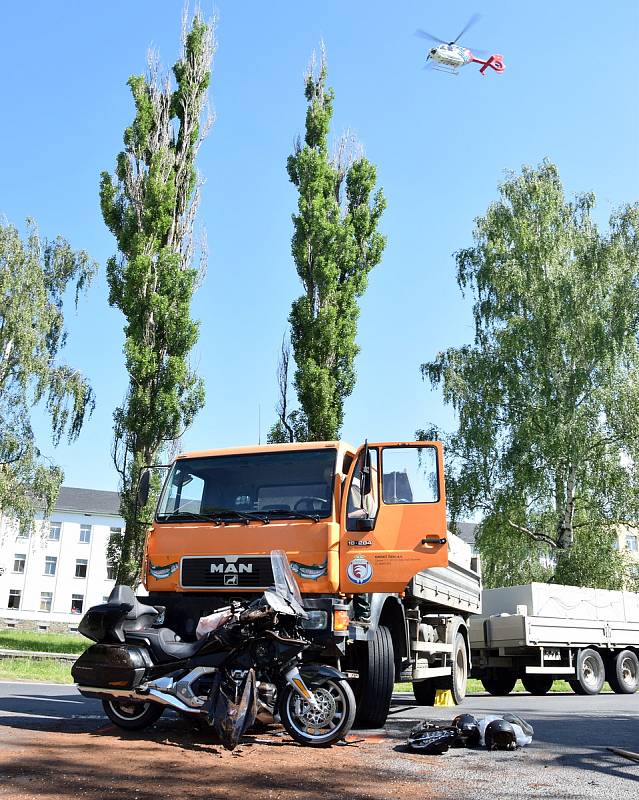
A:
(393, 516)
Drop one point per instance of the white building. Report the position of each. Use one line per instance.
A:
(50, 577)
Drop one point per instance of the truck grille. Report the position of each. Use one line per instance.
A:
(227, 572)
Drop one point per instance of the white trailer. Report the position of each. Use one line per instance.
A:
(540, 632)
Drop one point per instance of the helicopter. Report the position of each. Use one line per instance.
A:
(450, 56)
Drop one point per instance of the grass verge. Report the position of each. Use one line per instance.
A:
(45, 642)
(475, 686)
(32, 669)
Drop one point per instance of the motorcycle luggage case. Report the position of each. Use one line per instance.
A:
(111, 666)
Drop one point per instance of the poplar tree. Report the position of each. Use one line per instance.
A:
(34, 276)
(335, 245)
(548, 395)
(150, 206)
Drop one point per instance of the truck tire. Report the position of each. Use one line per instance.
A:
(376, 662)
(623, 673)
(537, 684)
(425, 692)
(591, 673)
(499, 682)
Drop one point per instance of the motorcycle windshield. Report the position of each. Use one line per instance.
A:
(285, 583)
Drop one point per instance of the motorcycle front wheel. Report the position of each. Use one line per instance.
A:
(322, 726)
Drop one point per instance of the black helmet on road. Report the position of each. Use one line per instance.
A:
(500, 735)
(468, 730)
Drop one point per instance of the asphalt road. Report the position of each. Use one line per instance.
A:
(568, 758)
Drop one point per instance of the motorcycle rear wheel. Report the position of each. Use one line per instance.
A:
(318, 727)
(130, 715)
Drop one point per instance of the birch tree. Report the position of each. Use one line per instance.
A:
(150, 206)
(34, 276)
(548, 395)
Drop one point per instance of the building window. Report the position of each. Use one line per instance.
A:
(81, 567)
(54, 531)
(19, 560)
(631, 543)
(85, 533)
(45, 601)
(77, 601)
(116, 531)
(111, 571)
(24, 533)
(14, 598)
(50, 564)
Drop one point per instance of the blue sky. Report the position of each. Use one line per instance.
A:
(441, 145)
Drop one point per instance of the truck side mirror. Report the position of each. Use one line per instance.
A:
(143, 489)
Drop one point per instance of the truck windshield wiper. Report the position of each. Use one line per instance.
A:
(293, 514)
(183, 515)
(218, 514)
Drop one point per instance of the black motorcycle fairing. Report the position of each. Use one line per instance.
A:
(232, 706)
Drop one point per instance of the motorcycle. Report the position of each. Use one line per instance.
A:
(249, 666)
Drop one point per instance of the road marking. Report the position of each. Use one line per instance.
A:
(26, 714)
(46, 699)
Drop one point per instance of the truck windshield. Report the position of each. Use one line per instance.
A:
(297, 483)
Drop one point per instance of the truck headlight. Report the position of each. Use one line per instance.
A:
(316, 620)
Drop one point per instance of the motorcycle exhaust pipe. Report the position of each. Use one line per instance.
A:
(152, 695)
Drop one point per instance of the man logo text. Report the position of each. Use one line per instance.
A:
(225, 568)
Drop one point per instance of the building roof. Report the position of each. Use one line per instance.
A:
(88, 501)
(466, 531)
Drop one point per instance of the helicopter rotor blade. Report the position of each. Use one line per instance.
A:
(425, 35)
(472, 21)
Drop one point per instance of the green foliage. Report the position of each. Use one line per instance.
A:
(34, 276)
(149, 206)
(548, 396)
(335, 245)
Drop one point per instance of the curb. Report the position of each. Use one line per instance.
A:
(38, 655)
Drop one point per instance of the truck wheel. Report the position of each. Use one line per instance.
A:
(499, 682)
(376, 662)
(425, 692)
(460, 670)
(591, 673)
(537, 684)
(623, 673)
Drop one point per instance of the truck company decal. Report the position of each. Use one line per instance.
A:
(162, 572)
(310, 572)
(359, 570)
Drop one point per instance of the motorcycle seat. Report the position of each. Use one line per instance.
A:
(164, 644)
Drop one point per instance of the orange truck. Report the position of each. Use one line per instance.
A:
(365, 532)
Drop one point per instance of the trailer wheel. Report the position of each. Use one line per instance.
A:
(499, 682)
(537, 684)
(591, 673)
(425, 692)
(623, 673)
(376, 662)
